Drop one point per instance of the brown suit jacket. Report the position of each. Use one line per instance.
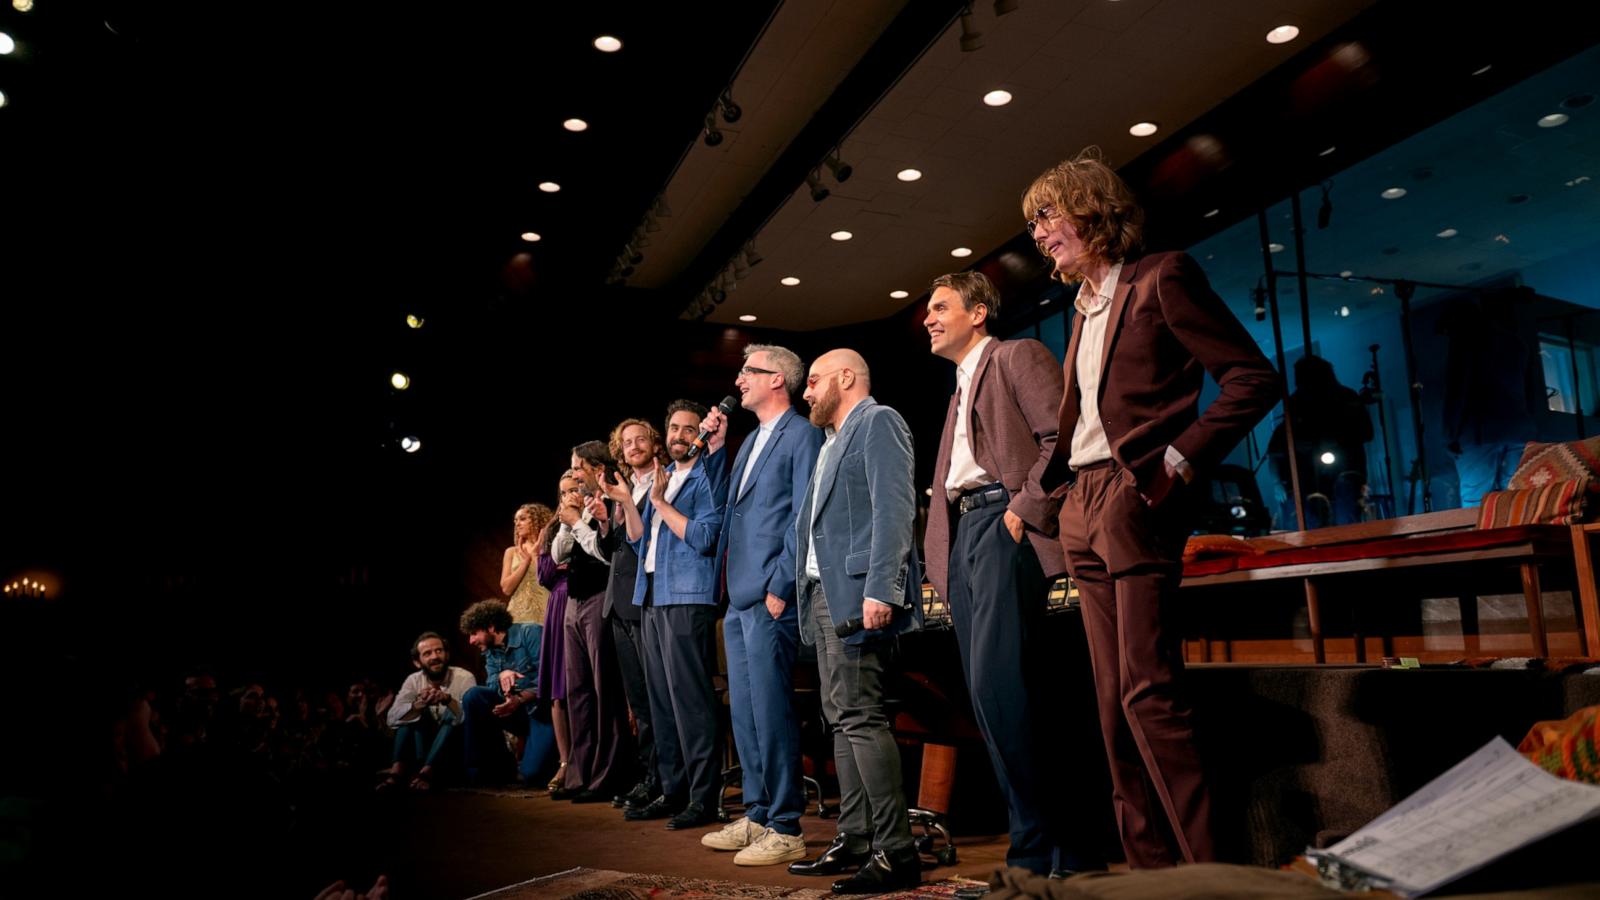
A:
(1011, 422)
(1167, 328)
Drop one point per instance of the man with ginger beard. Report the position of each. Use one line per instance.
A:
(859, 587)
(637, 444)
(676, 537)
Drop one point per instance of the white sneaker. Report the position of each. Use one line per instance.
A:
(736, 835)
(772, 848)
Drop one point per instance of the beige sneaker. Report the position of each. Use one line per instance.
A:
(736, 835)
(771, 849)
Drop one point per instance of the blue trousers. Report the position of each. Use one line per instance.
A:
(761, 653)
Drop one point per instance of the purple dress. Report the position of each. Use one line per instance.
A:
(552, 643)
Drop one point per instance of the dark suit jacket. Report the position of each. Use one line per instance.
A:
(624, 565)
(1013, 409)
(758, 534)
(1167, 328)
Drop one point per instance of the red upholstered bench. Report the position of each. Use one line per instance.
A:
(1445, 538)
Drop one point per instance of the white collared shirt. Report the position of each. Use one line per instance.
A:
(674, 485)
(965, 473)
(1089, 442)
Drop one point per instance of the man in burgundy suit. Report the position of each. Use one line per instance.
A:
(1148, 329)
(992, 554)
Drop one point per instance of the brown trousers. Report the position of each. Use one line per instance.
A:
(1126, 559)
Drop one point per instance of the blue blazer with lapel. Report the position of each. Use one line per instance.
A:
(686, 568)
(866, 509)
(760, 522)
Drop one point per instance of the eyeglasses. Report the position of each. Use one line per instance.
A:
(747, 371)
(1045, 214)
(811, 381)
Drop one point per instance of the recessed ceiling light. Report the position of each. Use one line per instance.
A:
(531, 237)
(605, 43)
(997, 98)
(549, 187)
(909, 174)
(899, 295)
(961, 251)
(1553, 120)
(747, 318)
(1143, 129)
(1275, 247)
(1447, 233)
(1483, 70)
(1045, 302)
(575, 125)
(1328, 152)
(841, 235)
(1346, 273)
(789, 280)
(7, 45)
(1394, 193)
(1283, 34)
(1210, 214)
(1344, 312)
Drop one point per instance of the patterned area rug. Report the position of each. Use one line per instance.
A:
(603, 884)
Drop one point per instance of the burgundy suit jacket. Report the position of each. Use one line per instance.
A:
(1011, 424)
(1167, 328)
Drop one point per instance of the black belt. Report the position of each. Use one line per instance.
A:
(974, 498)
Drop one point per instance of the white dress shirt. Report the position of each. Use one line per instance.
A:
(674, 485)
(965, 473)
(761, 437)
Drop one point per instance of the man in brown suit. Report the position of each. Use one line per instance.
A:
(1149, 328)
(991, 553)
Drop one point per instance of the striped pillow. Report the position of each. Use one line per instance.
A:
(1555, 502)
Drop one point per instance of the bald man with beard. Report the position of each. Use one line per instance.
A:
(858, 586)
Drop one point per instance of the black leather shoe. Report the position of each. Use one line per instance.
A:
(884, 873)
(563, 793)
(639, 796)
(590, 797)
(694, 815)
(836, 860)
(659, 808)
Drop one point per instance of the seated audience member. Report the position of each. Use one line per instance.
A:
(426, 712)
(504, 703)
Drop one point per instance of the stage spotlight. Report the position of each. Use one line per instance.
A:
(818, 192)
(400, 380)
(730, 110)
(713, 136)
(841, 170)
(410, 443)
(971, 38)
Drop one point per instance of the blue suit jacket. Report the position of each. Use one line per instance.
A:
(866, 509)
(758, 534)
(686, 568)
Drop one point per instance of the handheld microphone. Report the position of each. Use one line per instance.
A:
(848, 627)
(727, 405)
